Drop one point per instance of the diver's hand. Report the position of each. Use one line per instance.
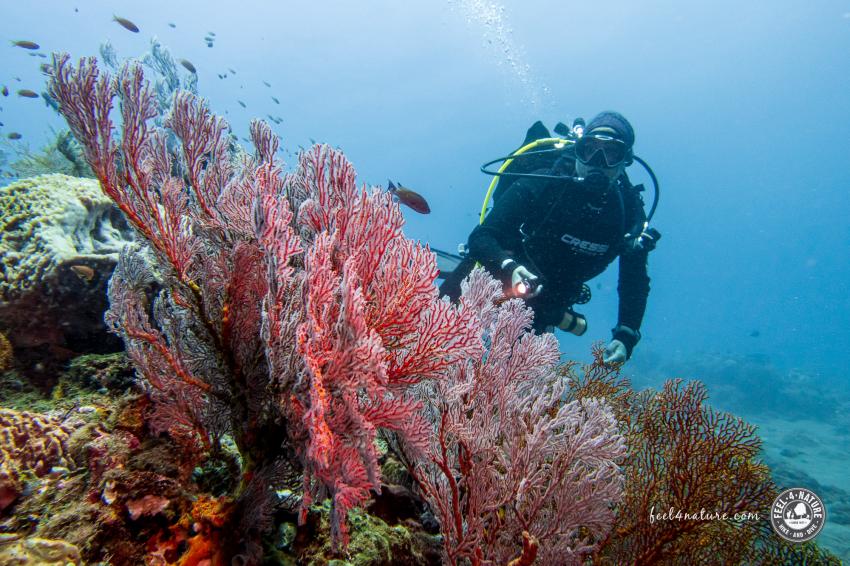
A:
(524, 283)
(615, 353)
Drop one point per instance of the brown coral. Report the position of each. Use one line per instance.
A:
(30, 443)
(682, 456)
(685, 457)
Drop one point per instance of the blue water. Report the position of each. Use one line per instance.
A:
(741, 109)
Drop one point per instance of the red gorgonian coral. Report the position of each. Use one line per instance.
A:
(288, 312)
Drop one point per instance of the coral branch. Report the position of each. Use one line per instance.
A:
(511, 463)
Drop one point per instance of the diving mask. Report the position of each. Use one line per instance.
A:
(589, 147)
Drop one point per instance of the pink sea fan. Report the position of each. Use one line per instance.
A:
(509, 456)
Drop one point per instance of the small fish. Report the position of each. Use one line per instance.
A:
(27, 93)
(276, 101)
(267, 84)
(14, 136)
(5, 90)
(221, 76)
(1, 124)
(409, 198)
(755, 333)
(172, 25)
(45, 68)
(26, 44)
(42, 55)
(232, 72)
(126, 24)
(208, 39)
(242, 104)
(209, 44)
(212, 33)
(84, 272)
(189, 66)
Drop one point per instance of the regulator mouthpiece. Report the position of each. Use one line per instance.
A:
(596, 181)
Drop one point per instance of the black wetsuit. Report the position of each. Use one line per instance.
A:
(566, 235)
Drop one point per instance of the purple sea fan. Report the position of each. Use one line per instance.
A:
(508, 455)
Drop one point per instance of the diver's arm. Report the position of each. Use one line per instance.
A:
(494, 241)
(633, 289)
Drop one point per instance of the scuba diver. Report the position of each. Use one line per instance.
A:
(559, 217)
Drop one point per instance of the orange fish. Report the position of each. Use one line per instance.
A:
(409, 198)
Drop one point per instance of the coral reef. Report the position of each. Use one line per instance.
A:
(58, 247)
(100, 372)
(125, 490)
(20, 551)
(281, 326)
(288, 313)
(30, 444)
(685, 457)
(373, 542)
(514, 471)
(53, 219)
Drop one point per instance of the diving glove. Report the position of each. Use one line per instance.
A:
(621, 346)
(615, 353)
(645, 241)
(524, 283)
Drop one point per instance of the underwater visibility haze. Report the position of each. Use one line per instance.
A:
(235, 355)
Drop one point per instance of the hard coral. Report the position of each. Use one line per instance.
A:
(30, 443)
(34, 550)
(58, 245)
